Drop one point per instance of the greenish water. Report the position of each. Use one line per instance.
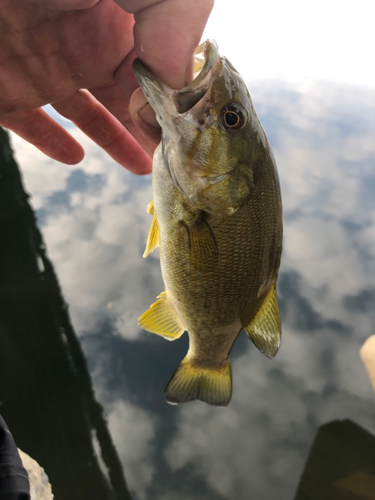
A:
(81, 385)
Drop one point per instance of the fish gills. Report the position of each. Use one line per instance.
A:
(189, 382)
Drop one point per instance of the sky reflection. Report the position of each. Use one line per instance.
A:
(93, 217)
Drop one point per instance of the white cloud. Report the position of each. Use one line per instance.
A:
(311, 240)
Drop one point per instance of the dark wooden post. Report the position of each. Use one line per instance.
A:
(46, 393)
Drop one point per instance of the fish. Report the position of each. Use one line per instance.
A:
(217, 219)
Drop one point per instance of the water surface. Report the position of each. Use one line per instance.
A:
(94, 223)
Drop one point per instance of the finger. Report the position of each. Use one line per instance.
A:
(139, 115)
(166, 34)
(125, 76)
(144, 116)
(105, 130)
(38, 128)
(111, 97)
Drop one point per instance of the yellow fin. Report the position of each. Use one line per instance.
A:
(211, 385)
(203, 249)
(153, 235)
(265, 328)
(150, 208)
(162, 319)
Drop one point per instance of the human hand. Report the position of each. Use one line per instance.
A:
(51, 50)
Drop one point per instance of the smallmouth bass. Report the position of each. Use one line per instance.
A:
(217, 219)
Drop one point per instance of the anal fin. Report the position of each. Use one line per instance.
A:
(162, 319)
(265, 328)
(153, 235)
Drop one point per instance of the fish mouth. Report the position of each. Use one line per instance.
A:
(160, 96)
(206, 60)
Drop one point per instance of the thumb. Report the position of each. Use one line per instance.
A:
(166, 34)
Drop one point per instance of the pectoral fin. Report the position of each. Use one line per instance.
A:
(153, 235)
(202, 244)
(265, 328)
(162, 319)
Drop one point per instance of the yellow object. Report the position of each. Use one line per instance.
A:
(162, 319)
(189, 382)
(265, 328)
(153, 235)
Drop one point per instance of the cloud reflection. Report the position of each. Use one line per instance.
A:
(95, 225)
(134, 433)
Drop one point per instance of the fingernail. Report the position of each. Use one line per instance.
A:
(148, 115)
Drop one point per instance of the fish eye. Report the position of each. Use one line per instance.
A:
(233, 118)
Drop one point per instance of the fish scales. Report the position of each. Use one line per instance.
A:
(217, 220)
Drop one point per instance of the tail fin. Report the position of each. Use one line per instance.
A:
(211, 385)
